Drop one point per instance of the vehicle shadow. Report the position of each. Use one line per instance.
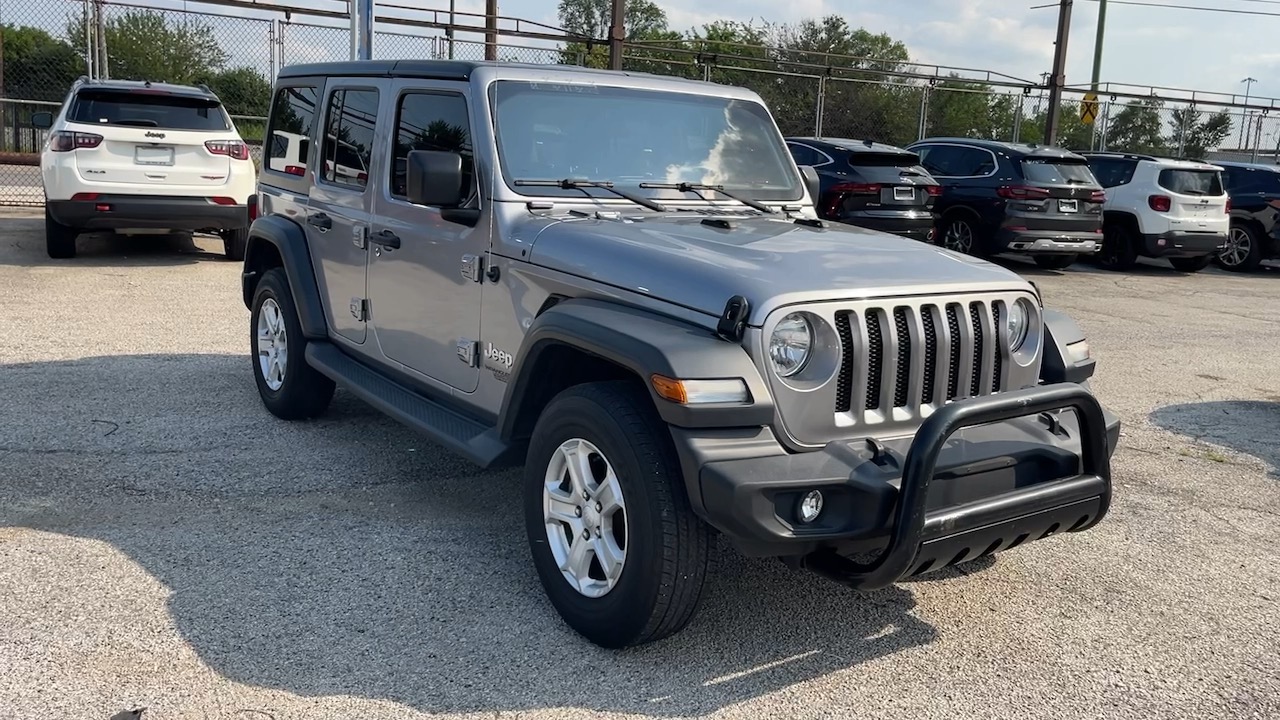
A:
(1245, 426)
(23, 245)
(347, 556)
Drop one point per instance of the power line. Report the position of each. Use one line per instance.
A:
(1171, 6)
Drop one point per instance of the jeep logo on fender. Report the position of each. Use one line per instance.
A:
(500, 358)
(154, 134)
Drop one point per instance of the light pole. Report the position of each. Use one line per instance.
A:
(1097, 44)
(1244, 114)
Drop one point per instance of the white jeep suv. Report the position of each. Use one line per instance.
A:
(140, 157)
(1160, 208)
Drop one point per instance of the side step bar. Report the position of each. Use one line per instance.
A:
(473, 440)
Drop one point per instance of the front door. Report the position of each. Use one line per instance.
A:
(426, 306)
(338, 211)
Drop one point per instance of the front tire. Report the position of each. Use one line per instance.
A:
(59, 240)
(619, 551)
(289, 387)
(1191, 264)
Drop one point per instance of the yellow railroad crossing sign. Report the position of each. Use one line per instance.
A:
(1089, 108)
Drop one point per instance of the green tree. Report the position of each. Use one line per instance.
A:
(643, 21)
(146, 45)
(1137, 128)
(1196, 132)
(243, 90)
(38, 66)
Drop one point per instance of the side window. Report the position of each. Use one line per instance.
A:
(292, 114)
(431, 121)
(973, 161)
(803, 155)
(350, 126)
(934, 158)
(1105, 171)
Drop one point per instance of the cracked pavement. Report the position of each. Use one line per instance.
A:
(165, 543)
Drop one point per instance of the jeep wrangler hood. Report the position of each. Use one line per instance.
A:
(770, 261)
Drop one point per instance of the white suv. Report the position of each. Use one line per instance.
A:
(136, 157)
(1160, 208)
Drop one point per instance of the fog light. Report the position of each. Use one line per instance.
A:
(811, 506)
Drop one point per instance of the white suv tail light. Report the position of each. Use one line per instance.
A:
(66, 141)
(234, 149)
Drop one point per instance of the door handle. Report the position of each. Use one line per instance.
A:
(386, 239)
(320, 220)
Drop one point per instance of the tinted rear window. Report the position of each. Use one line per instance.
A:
(1058, 171)
(172, 112)
(1191, 182)
(868, 159)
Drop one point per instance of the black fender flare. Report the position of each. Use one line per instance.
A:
(644, 343)
(290, 243)
(1122, 217)
(1056, 365)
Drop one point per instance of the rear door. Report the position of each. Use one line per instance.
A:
(1197, 199)
(1058, 194)
(174, 142)
(340, 204)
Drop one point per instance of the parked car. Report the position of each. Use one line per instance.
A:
(870, 184)
(1160, 207)
(1254, 235)
(999, 197)
(669, 359)
(142, 156)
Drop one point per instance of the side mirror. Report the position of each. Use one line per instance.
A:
(42, 120)
(435, 178)
(812, 182)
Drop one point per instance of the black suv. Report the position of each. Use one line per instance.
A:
(1255, 207)
(1009, 197)
(870, 184)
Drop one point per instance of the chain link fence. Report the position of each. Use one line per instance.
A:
(48, 44)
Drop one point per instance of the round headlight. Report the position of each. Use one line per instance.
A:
(790, 344)
(1016, 324)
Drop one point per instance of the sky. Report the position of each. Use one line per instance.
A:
(1144, 46)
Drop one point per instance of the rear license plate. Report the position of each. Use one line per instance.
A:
(1068, 206)
(904, 193)
(151, 155)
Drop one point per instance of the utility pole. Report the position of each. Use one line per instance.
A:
(490, 29)
(361, 29)
(1057, 78)
(1244, 114)
(617, 34)
(1097, 45)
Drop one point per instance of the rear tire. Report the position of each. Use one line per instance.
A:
(234, 243)
(59, 239)
(959, 233)
(1119, 248)
(1243, 252)
(664, 553)
(1191, 264)
(1055, 262)
(289, 387)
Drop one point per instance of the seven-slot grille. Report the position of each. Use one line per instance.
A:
(907, 356)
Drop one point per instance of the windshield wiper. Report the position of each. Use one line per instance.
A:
(687, 187)
(574, 184)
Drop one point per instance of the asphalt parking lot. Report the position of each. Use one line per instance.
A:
(165, 543)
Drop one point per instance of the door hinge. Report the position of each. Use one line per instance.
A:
(467, 351)
(360, 309)
(359, 236)
(472, 267)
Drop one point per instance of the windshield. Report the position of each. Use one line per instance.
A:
(631, 136)
(143, 109)
(1056, 171)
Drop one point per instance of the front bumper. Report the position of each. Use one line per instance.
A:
(1047, 241)
(1017, 471)
(1183, 244)
(151, 212)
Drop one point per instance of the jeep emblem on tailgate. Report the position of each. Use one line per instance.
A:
(152, 133)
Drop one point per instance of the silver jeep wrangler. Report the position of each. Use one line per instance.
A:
(619, 281)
